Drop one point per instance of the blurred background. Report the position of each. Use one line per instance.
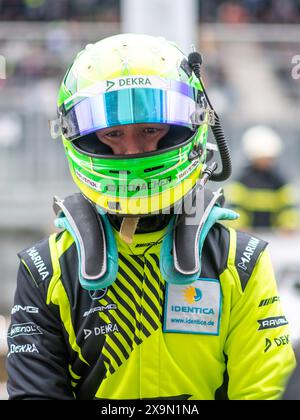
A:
(250, 48)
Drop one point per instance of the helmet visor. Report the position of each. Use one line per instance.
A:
(177, 105)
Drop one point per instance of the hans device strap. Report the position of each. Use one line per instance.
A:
(96, 248)
(180, 256)
(188, 226)
(181, 250)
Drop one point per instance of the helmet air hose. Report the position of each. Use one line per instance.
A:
(195, 61)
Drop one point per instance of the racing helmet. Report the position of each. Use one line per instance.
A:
(133, 79)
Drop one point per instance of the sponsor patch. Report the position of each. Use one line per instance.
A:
(28, 309)
(193, 308)
(97, 294)
(248, 250)
(29, 328)
(102, 330)
(248, 253)
(267, 345)
(103, 308)
(148, 244)
(130, 81)
(25, 348)
(272, 322)
(269, 301)
(38, 262)
(187, 170)
(88, 181)
(119, 83)
(283, 340)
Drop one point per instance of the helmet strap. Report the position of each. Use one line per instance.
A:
(128, 228)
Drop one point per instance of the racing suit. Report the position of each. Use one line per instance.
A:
(141, 337)
(263, 200)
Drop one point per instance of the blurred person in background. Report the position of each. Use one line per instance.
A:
(131, 300)
(261, 195)
(233, 12)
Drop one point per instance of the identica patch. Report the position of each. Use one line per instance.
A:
(193, 308)
(248, 250)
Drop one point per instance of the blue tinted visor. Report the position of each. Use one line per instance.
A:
(176, 105)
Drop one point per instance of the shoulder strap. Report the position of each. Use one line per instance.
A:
(180, 255)
(180, 258)
(96, 248)
(188, 226)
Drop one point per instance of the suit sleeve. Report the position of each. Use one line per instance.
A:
(260, 355)
(37, 361)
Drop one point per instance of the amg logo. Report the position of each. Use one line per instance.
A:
(28, 309)
(38, 262)
(247, 254)
(108, 307)
(148, 244)
(269, 301)
(272, 322)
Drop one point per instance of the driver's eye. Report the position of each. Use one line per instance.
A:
(112, 134)
(151, 130)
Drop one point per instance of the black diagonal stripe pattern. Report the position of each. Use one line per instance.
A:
(139, 293)
(153, 266)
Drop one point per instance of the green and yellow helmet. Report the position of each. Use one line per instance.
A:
(133, 79)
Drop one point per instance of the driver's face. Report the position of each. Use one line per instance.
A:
(133, 138)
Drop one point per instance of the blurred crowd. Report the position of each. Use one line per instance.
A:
(267, 11)
(250, 11)
(49, 10)
(47, 58)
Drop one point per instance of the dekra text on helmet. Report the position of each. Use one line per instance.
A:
(129, 81)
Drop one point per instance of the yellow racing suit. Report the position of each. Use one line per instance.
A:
(224, 336)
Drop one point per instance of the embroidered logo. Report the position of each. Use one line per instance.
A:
(192, 294)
